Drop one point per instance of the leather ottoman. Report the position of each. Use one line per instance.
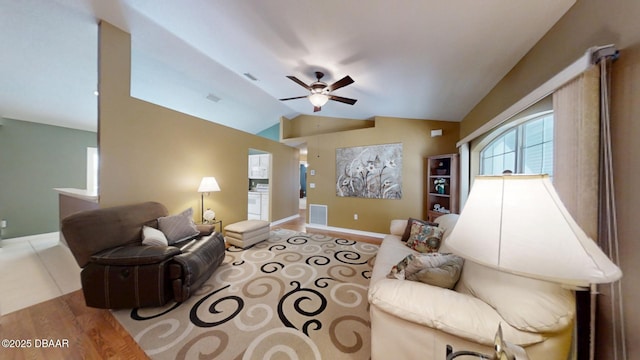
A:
(246, 233)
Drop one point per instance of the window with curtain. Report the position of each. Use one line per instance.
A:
(524, 149)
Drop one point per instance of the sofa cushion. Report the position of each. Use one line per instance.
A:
(424, 238)
(153, 237)
(436, 269)
(526, 304)
(454, 313)
(178, 227)
(389, 253)
(446, 222)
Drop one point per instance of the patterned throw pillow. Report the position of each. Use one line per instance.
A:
(178, 227)
(436, 269)
(407, 230)
(425, 238)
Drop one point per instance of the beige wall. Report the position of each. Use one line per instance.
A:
(592, 23)
(374, 214)
(305, 125)
(148, 152)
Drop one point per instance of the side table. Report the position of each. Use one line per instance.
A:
(214, 222)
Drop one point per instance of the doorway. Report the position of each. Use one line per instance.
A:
(259, 176)
(303, 177)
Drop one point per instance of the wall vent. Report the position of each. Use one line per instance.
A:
(318, 214)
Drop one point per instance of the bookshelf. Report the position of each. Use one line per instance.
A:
(442, 186)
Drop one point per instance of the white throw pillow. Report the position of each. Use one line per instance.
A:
(154, 237)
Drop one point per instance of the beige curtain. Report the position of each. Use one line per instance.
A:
(576, 176)
(576, 148)
(580, 161)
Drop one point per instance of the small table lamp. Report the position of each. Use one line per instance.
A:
(207, 185)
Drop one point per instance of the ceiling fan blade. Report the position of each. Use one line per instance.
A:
(299, 82)
(342, 99)
(341, 83)
(293, 98)
(316, 108)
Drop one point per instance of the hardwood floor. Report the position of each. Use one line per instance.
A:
(83, 332)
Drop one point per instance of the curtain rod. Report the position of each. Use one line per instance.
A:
(602, 52)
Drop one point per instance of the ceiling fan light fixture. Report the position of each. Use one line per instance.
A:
(318, 99)
(320, 92)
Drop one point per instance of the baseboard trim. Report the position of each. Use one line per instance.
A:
(33, 237)
(346, 230)
(278, 222)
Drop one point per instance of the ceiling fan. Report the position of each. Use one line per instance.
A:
(320, 92)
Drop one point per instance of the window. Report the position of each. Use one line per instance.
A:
(524, 149)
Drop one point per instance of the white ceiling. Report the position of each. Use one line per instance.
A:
(423, 59)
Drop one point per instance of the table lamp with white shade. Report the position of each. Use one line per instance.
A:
(207, 185)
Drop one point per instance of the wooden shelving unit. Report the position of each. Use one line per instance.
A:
(442, 170)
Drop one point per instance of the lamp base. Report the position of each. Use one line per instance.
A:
(452, 355)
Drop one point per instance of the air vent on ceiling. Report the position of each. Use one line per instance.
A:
(250, 77)
(213, 98)
(318, 214)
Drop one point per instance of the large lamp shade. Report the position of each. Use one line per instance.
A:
(517, 224)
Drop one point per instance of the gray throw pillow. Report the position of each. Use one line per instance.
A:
(178, 227)
(436, 269)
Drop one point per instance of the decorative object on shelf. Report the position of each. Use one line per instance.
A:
(441, 169)
(373, 172)
(439, 184)
(511, 222)
(209, 215)
(441, 209)
(207, 185)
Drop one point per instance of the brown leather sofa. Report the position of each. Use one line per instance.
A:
(118, 271)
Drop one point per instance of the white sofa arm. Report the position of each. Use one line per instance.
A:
(397, 226)
(458, 314)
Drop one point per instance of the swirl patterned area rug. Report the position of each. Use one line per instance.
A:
(294, 296)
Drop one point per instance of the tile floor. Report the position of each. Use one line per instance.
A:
(34, 269)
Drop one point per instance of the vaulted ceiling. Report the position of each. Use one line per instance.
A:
(422, 59)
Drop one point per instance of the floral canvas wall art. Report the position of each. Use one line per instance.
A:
(373, 172)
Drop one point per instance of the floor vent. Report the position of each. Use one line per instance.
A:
(318, 214)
